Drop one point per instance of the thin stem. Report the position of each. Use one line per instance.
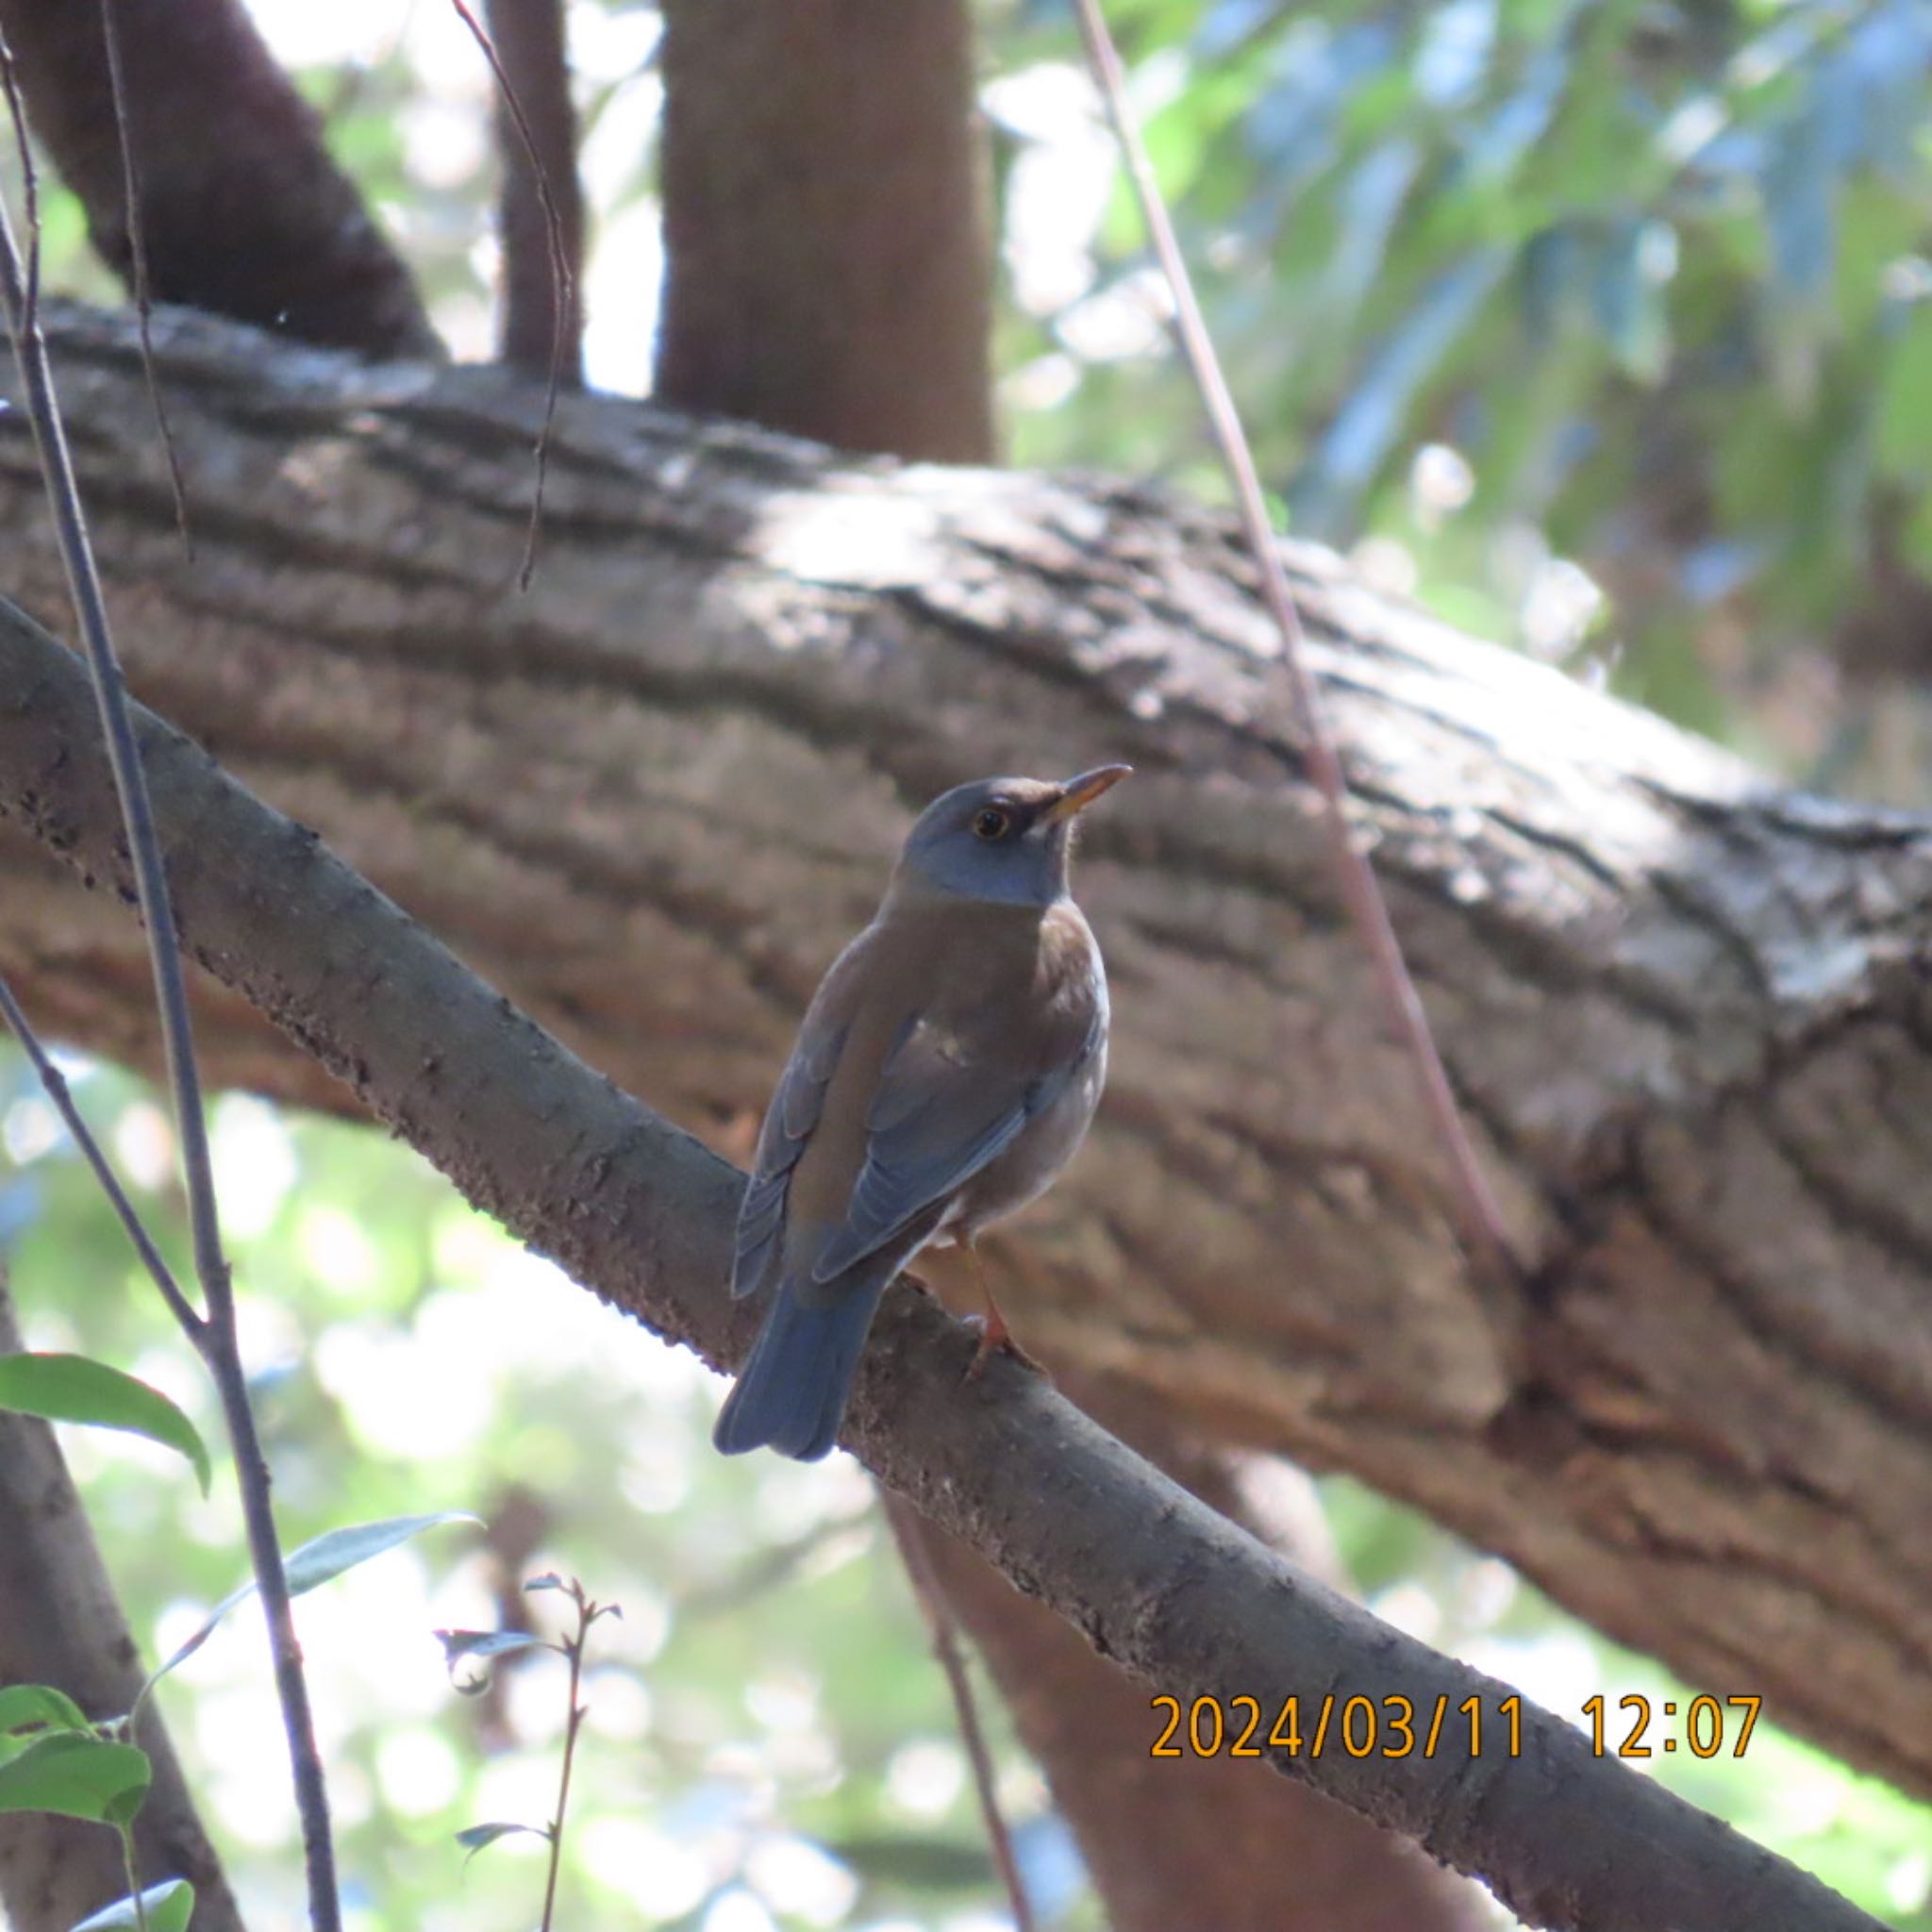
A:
(29, 174)
(909, 1531)
(57, 1091)
(573, 1649)
(1481, 1218)
(137, 248)
(215, 1338)
(561, 283)
(132, 1870)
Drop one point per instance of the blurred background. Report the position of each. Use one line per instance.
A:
(1602, 330)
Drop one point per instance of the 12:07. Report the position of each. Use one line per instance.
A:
(1704, 1726)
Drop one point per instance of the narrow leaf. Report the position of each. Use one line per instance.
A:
(477, 1836)
(77, 1389)
(316, 1562)
(167, 1905)
(77, 1776)
(336, 1550)
(549, 1580)
(458, 1645)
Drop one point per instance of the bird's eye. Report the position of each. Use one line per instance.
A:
(990, 823)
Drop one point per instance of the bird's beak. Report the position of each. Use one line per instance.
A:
(1076, 794)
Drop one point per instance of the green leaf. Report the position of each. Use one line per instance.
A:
(318, 1561)
(76, 1775)
(477, 1836)
(22, 1705)
(167, 1906)
(77, 1389)
(480, 1646)
(457, 1645)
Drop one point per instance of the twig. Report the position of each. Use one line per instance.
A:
(1482, 1221)
(29, 176)
(215, 1336)
(572, 1648)
(530, 41)
(560, 284)
(137, 247)
(57, 1091)
(909, 1531)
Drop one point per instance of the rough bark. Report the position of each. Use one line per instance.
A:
(825, 238)
(1197, 1841)
(641, 1213)
(60, 1623)
(242, 210)
(1687, 1009)
(530, 40)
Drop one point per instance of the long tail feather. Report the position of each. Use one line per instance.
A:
(792, 1392)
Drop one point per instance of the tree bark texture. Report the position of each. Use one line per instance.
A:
(244, 212)
(643, 1215)
(60, 1623)
(827, 261)
(1687, 1010)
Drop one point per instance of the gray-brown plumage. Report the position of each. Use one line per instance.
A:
(945, 1072)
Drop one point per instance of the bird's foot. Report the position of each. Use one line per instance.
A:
(996, 1337)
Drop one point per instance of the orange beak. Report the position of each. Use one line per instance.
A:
(1078, 793)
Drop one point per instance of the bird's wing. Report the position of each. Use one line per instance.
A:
(794, 1113)
(945, 1106)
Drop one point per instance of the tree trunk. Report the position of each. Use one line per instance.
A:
(1688, 1011)
(62, 1625)
(824, 230)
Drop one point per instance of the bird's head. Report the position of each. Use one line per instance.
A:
(1000, 840)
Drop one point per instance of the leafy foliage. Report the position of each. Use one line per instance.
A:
(1654, 276)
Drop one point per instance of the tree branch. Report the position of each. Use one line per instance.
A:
(636, 1209)
(1688, 1010)
(243, 211)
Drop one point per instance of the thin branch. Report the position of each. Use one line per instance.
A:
(215, 1336)
(561, 283)
(137, 244)
(29, 174)
(1481, 1218)
(574, 1650)
(57, 1091)
(909, 1531)
(530, 41)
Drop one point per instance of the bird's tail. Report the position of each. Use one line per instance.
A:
(792, 1392)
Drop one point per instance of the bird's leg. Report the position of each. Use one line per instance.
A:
(994, 1336)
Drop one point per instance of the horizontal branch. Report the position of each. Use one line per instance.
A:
(640, 1212)
(1689, 1013)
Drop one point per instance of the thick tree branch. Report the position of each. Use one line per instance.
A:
(1237, 1852)
(243, 211)
(637, 1210)
(1688, 1011)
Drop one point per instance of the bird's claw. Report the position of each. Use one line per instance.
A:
(996, 1337)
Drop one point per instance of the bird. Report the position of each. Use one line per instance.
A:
(945, 1071)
